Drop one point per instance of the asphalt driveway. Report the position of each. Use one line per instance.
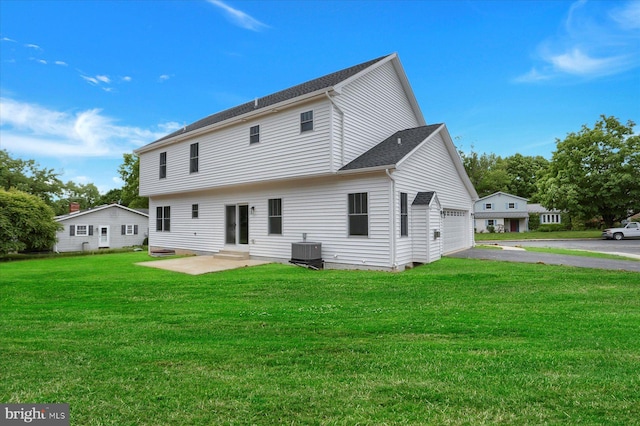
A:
(555, 259)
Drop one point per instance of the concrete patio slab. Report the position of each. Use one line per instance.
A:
(197, 265)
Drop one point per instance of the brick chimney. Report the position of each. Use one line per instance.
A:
(74, 207)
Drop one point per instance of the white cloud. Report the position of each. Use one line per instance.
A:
(239, 17)
(8, 39)
(103, 78)
(33, 46)
(32, 129)
(596, 41)
(126, 78)
(164, 77)
(61, 63)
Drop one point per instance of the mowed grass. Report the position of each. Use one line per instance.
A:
(454, 342)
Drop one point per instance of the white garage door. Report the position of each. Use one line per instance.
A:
(456, 230)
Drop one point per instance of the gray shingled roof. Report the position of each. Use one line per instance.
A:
(389, 151)
(506, 215)
(311, 86)
(423, 198)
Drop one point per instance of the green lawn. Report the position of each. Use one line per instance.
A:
(537, 235)
(454, 342)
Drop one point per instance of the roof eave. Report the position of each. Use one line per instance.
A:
(240, 118)
(367, 169)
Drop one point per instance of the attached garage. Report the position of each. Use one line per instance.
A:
(456, 230)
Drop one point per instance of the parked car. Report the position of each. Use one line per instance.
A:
(631, 230)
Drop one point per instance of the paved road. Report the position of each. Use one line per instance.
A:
(605, 246)
(629, 246)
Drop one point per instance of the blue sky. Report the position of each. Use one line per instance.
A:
(82, 82)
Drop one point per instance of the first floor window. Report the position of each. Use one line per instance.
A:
(358, 214)
(404, 215)
(129, 229)
(275, 216)
(254, 134)
(82, 230)
(550, 218)
(194, 211)
(306, 121)
(491, 222)
(193, 159)
(163, 218)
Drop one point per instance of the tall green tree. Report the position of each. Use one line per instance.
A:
(130, 173)
(487, 172)
(86, 195)
(28, 176)
(524, 172)
(595, 172)
(26, 222)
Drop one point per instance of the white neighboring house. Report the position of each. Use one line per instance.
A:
(108, 226)
(504, 212)
(346, 160)
(547, 217)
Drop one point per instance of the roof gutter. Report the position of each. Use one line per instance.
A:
(341, 131)
(392, 222)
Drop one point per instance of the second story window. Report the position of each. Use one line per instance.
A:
(306, 121)
(488, 206)
(163, 165)
(193, 159)
(511, 206)
(254, 134)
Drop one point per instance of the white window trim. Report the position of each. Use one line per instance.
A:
(127, 230)
(86, 231)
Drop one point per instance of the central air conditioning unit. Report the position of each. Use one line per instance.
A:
(307, 254)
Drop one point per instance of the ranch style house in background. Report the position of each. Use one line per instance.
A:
(503, 212)
(345, 160)
(108, 226)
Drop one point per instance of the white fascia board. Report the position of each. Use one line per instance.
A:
(453, 153)
(240, 118)
(366, 170)
(67, 216)
(503, 193)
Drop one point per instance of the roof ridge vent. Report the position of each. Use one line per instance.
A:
(399, 141)
(255, 103)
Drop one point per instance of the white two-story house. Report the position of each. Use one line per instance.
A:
(503, 212)
(346, 160)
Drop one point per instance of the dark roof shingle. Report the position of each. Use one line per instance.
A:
(311, 86)
(423, 198)
(389, 151)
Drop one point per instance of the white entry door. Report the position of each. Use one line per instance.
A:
(103, 236)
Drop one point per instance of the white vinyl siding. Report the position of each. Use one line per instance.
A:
(225, 158)
(114, 218)
(374, 108)
(443, 178)
(317, 207)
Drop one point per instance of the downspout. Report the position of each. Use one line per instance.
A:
(341, 133)
(392, 215)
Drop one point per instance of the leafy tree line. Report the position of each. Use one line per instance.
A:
(594, 174)
(28, 176)
(31, 196)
